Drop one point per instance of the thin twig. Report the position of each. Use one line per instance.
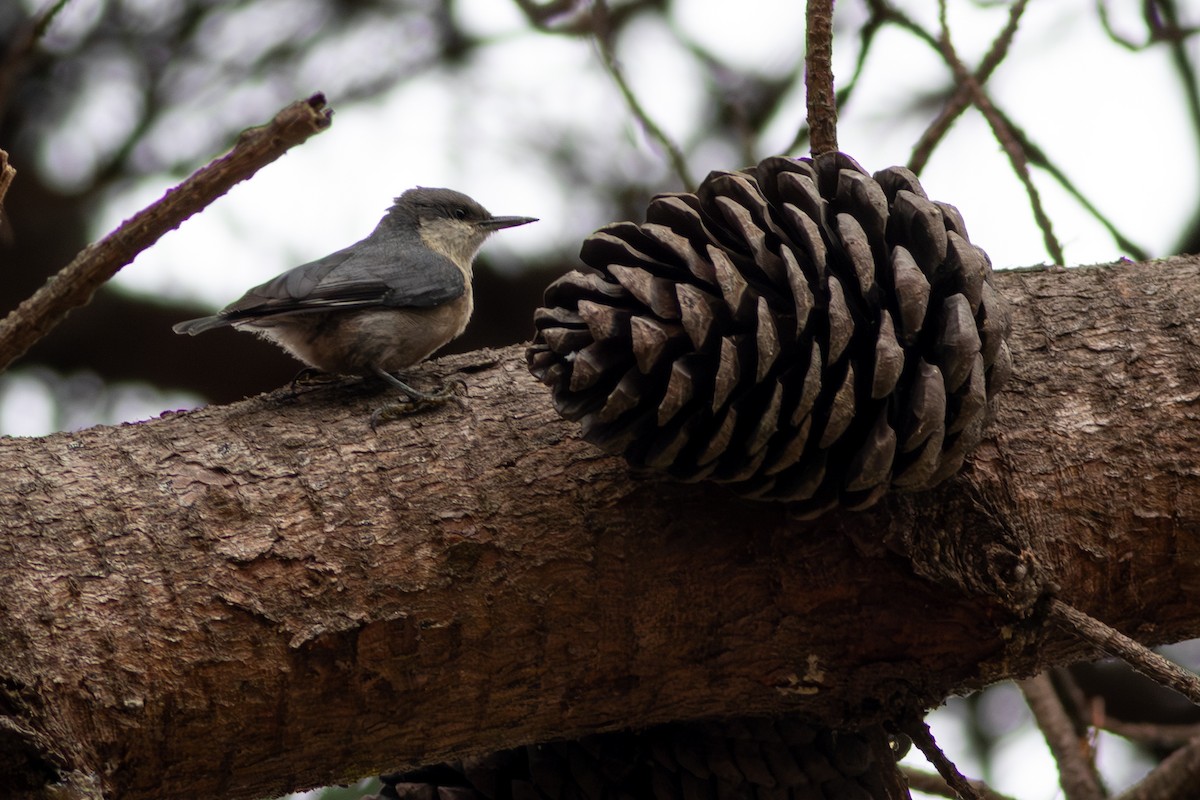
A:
(1037, 157)
(75, 283)
(1004, 135)
(1106, 23)
(1136, 655)
(542, 15)
(1158, 32)
(1177, 43)
(1181, 60)
(1177, 775)
(842, 96)
(935, 784)
(1076, 771)
(923, 739)
(603, 37)
(1162, 23)
(569, 18)
(1152, 734)
(960, 101)
(22, 48)
(818, 78)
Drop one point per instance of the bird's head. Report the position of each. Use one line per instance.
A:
(449, 222)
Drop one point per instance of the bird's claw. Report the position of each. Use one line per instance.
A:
(457, 388)
(309, 375)
(416, 402)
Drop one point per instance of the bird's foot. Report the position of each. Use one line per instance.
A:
(310, 375)
(417, 401)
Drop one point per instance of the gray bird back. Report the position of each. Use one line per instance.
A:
(391, 268)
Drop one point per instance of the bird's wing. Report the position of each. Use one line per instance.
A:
(370, 274)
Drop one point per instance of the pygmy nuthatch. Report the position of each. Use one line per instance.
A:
(380, 305)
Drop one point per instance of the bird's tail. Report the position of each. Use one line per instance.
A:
(194, 326)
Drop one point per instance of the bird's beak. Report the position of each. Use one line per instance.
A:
(496, 223)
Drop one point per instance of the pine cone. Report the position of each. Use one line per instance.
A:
(783, 758)
(799, 331)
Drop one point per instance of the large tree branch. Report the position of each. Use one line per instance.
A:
(248, 599)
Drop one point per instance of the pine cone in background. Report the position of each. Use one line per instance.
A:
(799, 331)
(748, 758)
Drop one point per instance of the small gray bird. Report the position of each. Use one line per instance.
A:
(380, 305)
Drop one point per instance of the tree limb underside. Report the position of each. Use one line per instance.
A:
(249, 599)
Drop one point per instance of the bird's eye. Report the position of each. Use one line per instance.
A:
(459, 213)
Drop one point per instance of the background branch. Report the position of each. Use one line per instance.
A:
(21, 50)
(1016, 143)
(1077, 771)
(923, 740)
(600, 23)
(1137, 655)
(1003, 134)
(1038, 158)
(932, 783)
(961, 100)
(1176, 777)
(603, 36)
(74, 285)
(1151, 733)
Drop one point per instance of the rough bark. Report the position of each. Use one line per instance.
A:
(253, 598)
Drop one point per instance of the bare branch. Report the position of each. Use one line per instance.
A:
(1177, 776)
(22, 48)
(600, 24)
(961, 100)
(923, 738)
(75, 283)
(1004, 135)
(1176, 39)
(963, 96)
(931, 783)
(1136, 655)
(603, 38)
(822, 105)
(1152, 734)
(1077, 771)
(489, 603)
(968, 84)
(1038, 158)
(842, 96)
